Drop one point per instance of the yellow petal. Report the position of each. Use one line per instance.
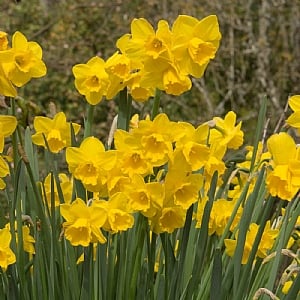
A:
(141, 29)
(294, 102)
(294, 119)
(282, 148)
(9, 124)
(208, 29)
(19, 41)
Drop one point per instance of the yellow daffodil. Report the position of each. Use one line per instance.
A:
(83, 223)
(156, 138)
(118, 211)
(152, 49)
(167, 219)
(266, 242)
(7, 257)
(226, 133)
(193, 145)
(214, 163)
(130, 154)
(26, 60)
(8, 125)
(144, 42)
(145, 197)
(171, 218)
(90, 163)
(195, 43)
(175, 83)
(182, 186)
(284, 178)
(119, 68)
(91, 79)
(56, 131)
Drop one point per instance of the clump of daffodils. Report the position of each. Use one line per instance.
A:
(149, 59)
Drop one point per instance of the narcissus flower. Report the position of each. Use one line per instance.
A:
(8, 125)
(91, 79)
(156, 138)
(7, 257)
(118, 211)
(144, 42)
(195, 43)
(90, 163)
(56, 131)
(225, 132)
(192, 143)
(145, 197)
(83, 223)
(284, 178)
(130, 154)
(266, 242)
(25, 61)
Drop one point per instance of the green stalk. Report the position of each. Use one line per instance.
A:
(151, 261)
(216, 276)
(124, 113)
(156, 104)
(202, 240)
(111, 259)
(53, 240)
(243, 287)
(87, 281)
(178, 274)
(89, 121)
(140, 238)
(243, 229)
(14, 135)
(122, 254)
(258, 131)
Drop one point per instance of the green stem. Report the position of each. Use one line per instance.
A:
(124, 110)
(156, 104)
(14, 135)
(141, 229)
(89, 121)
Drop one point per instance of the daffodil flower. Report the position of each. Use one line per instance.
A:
(56, 131)
(25, 60)
(83, 223)
(284, 178)
(91, 79)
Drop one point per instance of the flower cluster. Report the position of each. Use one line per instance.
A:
(159, 169)
(150, 59)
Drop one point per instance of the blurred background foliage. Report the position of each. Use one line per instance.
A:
(259, 54)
